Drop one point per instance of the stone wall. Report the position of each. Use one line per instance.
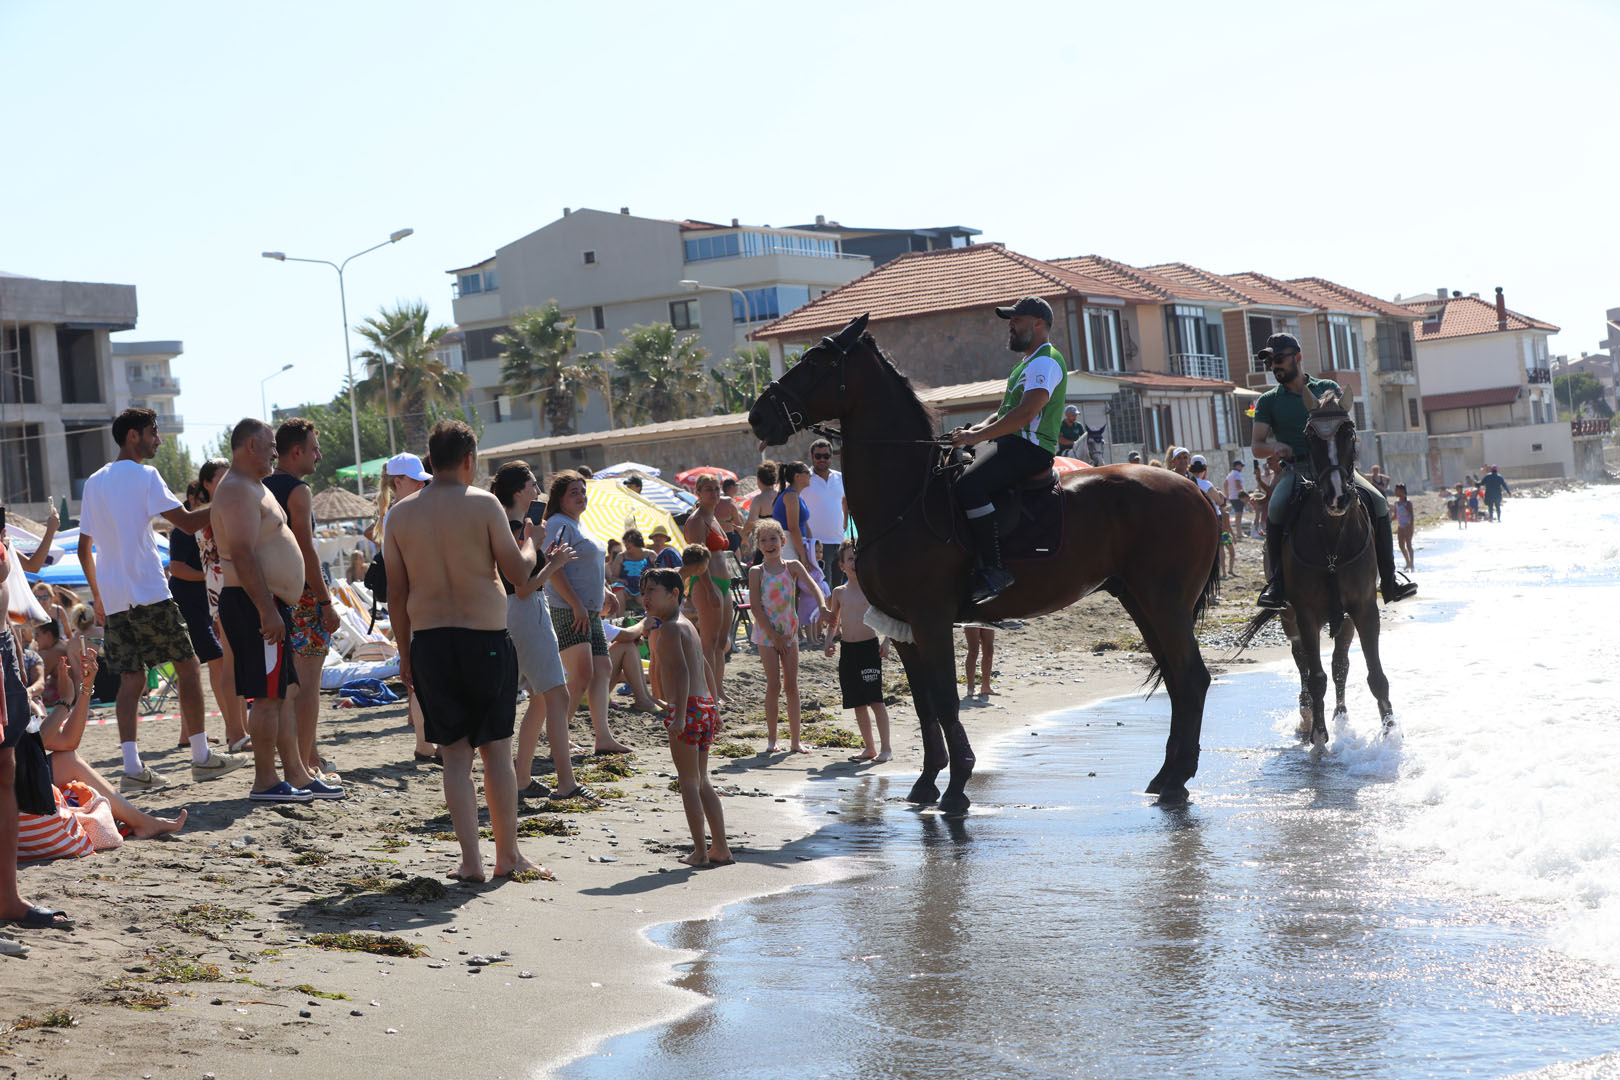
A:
(957, 346)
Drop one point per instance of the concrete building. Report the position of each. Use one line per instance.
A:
(1487, 390)
(60, 386)
(142, 380)
(881, 245)
(614, 271)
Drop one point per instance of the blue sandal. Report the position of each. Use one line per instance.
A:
(39, 918)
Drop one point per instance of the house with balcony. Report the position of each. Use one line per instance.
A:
(142, 380)
(881, 244)
(612, 271)
(1487, 389)
(58, 386)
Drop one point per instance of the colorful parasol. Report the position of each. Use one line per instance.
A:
(610, 509)
(690, 476)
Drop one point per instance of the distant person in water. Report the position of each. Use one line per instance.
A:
(1404, 521)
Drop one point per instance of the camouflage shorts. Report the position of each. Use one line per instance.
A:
(147, 636)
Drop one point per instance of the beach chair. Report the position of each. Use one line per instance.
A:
(743, 615)
(160, 689)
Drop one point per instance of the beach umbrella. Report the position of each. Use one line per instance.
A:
(666, 496)
(341, 504)
(625, 468)
(372, 468)
(610, 509)
(689, 477)
(1067, 465)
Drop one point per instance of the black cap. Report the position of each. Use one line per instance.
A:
(1279, 345)
(1029, 305)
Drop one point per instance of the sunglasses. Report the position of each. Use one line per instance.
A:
(821, 457)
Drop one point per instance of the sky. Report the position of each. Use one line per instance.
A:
(1394, 147)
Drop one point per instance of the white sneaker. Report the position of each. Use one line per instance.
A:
(145, 780)
(218, 765)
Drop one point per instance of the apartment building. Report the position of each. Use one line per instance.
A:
(142, 380)
(60, 386)
(614, 271)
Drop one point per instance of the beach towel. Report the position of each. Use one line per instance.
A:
(361, 692)
(58, 835)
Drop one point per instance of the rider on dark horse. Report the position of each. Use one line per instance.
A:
(1019, 440)
(1280, 417)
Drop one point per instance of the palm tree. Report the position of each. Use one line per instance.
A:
(535, 359)
(736, 378)
(660, 376)
(418, 383)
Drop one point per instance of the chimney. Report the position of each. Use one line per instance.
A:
(567, 210)
(821, 219)
(1501, 310)
(733, 223)
(624, 210)
(1440, 294)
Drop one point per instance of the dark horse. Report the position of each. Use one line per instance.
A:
(1144, 535)
(1330, 575)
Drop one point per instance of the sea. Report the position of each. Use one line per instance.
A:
(1441, 900)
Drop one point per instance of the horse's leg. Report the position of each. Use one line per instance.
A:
(1316, 680)
(936, 655)
(1341, 666)
(1168, 631)
(925, 791)
(1302, 663)
(1367, 625)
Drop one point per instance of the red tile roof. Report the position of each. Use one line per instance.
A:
(1338, 297)
(1158, 287)
(1158, 380)
(952, 279)
(1467, 315)
(1269, 291)
(1227, 288)
(1471, 399)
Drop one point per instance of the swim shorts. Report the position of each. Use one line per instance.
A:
(309, 638)
(147, 636)
(562, 620)
(702, 722)
(466, 682)
(262, 670)
(860, 673)
(192, 598)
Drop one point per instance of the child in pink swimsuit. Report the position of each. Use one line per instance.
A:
(773, 600)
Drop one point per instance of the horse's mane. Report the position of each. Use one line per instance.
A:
(926, 418)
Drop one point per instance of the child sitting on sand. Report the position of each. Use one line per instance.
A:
(771, 598)
(860, 658)
(690, 715)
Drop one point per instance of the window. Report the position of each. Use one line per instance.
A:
(589, 258)
(489, 281)
(481, 344)
(1125, 414)
(684, 314)
(768, 303)
(1359, 411)
(598, 318)
(752, 243)
(1102, 339)
(471, 284)
(1346, 343)
(1535, 410)
(22, 465)
(1259, 331)
(1186, 329)
(76, 364)
(1412, 413)
(1223, 420)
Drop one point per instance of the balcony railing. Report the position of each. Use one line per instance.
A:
(1539, 375)
(154, 384)
(1200, 366)
(168, 421)
(1395, 364)
(1584, 428)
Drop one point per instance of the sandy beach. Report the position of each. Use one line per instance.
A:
(202, 953)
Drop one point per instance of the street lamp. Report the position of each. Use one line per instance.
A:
(748, 317)
(354, 413)
(607, 364)
(264, 410)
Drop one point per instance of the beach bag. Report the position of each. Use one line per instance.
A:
(376, 583)
(94, 814)
(35, 793)
(56, 834)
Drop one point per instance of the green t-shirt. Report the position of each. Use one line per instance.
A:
(1042, 369)
(1071, 432)
(1285, 411)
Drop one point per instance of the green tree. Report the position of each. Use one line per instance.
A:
(659, 376)
(173, 463)
(1587, 391)
(536, 359)
(421, 386)
(735, 378)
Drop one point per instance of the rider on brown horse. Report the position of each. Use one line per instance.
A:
(1020, 437)
(1279, 432)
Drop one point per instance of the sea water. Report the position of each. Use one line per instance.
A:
(1439, 901)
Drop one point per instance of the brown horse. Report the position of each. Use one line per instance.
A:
(1330, 576)
(1144, 535)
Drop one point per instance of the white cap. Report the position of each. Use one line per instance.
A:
(1198, 459)
(408, 465)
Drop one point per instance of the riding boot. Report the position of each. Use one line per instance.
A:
(1271, 597)
(1393, 588)
(992, 578)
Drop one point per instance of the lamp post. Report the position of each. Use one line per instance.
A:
(264, 410)
(607, 364)
(348, 356)
(748, 317)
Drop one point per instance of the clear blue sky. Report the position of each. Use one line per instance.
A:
(1392, 146)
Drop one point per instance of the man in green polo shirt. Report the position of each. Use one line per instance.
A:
(1280, 417)
(1019, 439)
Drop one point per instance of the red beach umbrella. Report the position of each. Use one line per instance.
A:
(690, 476)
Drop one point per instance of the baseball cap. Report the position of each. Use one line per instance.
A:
(1198, 459)
(1134, 458)
(1029, 305)
(408, 465)
(1071, 410)
(1279, 345)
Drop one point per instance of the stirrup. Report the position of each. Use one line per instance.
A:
(1271, 597)
(992, 582)
(1399, 588)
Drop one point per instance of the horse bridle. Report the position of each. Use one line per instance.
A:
(1325, 425)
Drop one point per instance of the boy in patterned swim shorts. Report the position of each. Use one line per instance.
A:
(690, 715)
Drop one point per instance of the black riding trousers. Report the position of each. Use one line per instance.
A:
(998, 465)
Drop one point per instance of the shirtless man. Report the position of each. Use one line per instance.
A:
(442, 547)
(264, 575)
(298, 451)
(690, 715)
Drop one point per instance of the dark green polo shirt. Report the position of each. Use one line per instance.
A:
(1285, 411)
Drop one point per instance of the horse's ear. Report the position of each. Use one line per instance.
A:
(850, 334)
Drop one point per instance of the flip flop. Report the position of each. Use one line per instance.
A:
(580, 792)
(39, 918)
(437, 759)
(244, 743)
(8, 947)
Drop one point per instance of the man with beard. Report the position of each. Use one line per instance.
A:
(1280, 417)
(1019, 439)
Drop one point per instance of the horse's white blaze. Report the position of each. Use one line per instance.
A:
(1338, 487)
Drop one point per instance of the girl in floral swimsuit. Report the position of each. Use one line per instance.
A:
(776, 627)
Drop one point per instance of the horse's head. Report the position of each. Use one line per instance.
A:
(812, 391)
(1330, 435)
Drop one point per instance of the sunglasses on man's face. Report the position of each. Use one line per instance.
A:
(822, 457)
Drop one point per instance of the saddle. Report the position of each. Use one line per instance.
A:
(1029, 517)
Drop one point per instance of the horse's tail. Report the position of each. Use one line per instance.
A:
(1252, 628)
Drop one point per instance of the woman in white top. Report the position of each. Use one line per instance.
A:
(403, 476)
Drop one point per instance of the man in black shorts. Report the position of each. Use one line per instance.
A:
(442, 547)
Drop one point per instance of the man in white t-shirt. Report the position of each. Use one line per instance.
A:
(145, 629)
(829, 513)
(1234, 495)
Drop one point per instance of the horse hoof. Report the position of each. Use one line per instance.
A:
(923, 793)
(1156, 785)
(955, 804)
(1175, 795)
